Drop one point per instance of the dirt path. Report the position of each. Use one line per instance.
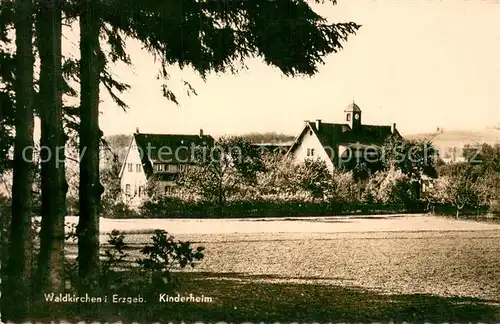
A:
(394, 223)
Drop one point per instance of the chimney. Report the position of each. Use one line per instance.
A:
(393, 128)
(137, 130)
(318, 124)
(201, 132)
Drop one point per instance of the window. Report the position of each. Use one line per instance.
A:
(170, 168)
(127, 189)
(160, 167)
(168, 190)
(140, 191)
(310, 152)
(130, 167)
(138, 168)
(348, 117)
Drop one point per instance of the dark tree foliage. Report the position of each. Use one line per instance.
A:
(485, 155)
(7, 70)
(221, 171)
(6, 108)
(212, 36)
(209, 36)
(478, 177)
(413, 157)
(268, 137)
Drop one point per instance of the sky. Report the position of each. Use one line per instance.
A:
(421, 64)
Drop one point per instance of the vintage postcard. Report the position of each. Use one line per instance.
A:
(250, 161)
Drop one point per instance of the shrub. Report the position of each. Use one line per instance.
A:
(342, 188)
(459, 189)
(390, 187)
(114, 256)
(314, 178)
(120, 210)
(163, 255)
(152, 273)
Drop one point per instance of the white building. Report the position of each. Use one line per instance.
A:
(341, 143)
(156, 160)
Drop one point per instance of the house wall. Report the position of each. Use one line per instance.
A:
(161, 185)
(311, 141)
(135, 178)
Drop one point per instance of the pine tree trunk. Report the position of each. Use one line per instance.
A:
(90, 187)
(54, 187)
(20, 248)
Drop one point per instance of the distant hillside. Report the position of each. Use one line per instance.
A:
(268, 137)
(459, 138)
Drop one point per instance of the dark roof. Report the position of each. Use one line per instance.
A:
(331, 135)
(328, 133)
(367, 134)
(353, 107)
(168, 148)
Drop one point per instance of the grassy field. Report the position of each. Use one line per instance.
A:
(429, 255)
(387, 268)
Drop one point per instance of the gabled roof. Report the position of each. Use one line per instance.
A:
(168, 148)
(367, 134)
(174, 147)
(328, 133)
(331, 134)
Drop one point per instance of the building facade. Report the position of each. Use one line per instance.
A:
(154, 162)
(338, 144)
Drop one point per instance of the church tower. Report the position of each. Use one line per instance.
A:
(352, 116)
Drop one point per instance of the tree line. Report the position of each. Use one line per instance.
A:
(408, 175)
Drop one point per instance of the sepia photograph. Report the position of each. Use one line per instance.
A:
(250, 161)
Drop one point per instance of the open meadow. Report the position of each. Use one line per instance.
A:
(389, 255)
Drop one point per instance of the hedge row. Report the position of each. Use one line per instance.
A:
(177, 208)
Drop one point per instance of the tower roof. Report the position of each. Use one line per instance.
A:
(352, 108)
